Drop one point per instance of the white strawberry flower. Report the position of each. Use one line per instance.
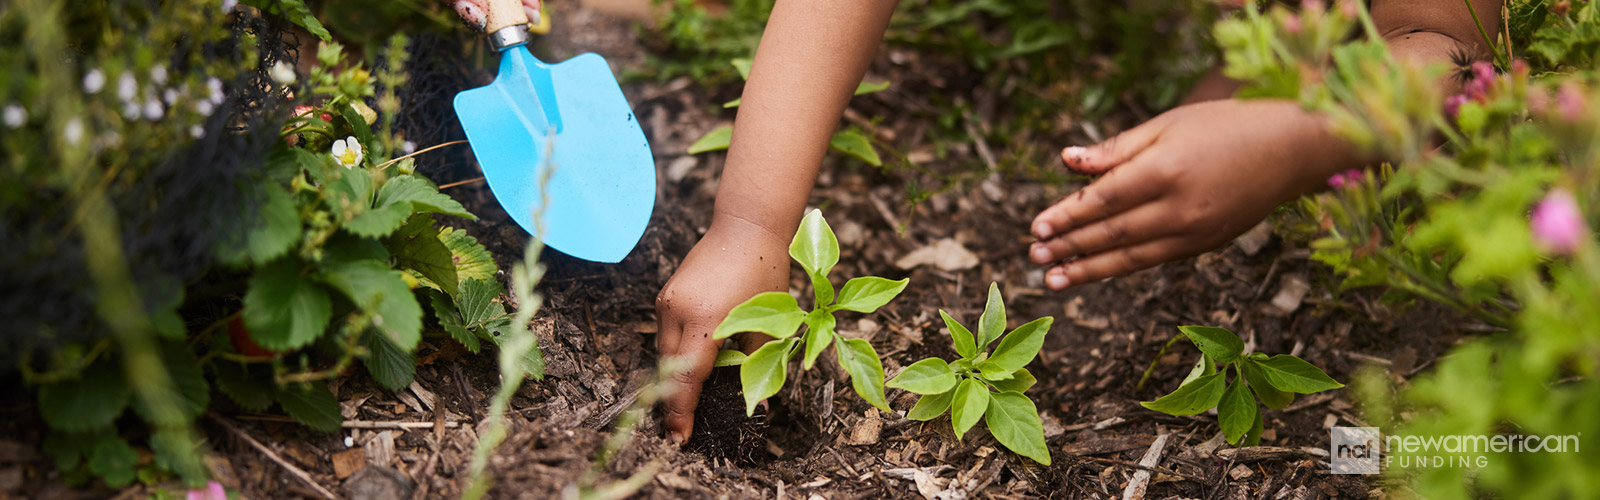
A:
(347, 152)
(93, 81)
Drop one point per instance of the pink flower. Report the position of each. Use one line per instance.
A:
(1347, 178)
(1292, 24)
(1313, 6)
(1570, 102)
(1558, 226)
(1452, 104)
(213, 491)
(1482, 70)
(1337, 181)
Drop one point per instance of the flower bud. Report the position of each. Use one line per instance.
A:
(1570, 102)
(1557, 224)
(1561, 7)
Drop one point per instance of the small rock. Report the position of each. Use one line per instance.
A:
(1240, 472)
(1253, 240)
(681, 167)
(1291, 291)
(946, 254)
(378, 483)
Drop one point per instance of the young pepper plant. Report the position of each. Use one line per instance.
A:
(778, 315)
(982, 383)
(1274, 380)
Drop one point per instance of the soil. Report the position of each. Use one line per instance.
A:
(818, 439)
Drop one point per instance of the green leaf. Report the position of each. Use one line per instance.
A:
(867, 293)
(383, 293)
(349, 193)
(1021, 345)
(864, 88)
(931, 406)
(421, 195)
(390, 366)
(1202, 367)
(177, 450)
(1237, 411)
(276, 228)
(472, 260)
(477, 303)
(284, 309)
(822, 290)
(359, 126)
(1292, 374)
(854, 144)
(296, 12)
(250, 388)
(929, 376)
(866, 370)
(1020, 381)
(763, 372)
(416, 246)
(992, 371)
(959, 336)
(186, 377)
(814, 245)
(715, 140)
(743, 66)
(113, 461)
(972, 400)
(378, 222)
(1015, 423)
(1198, 396)
(729, 358)
(450, 318)
(993, 322)
(819, 333)
(311, 404)
(1253, 438)
(92, 401)
(776, 314)
(69, 449)
(1271, 396)
(1220, 344)
(532, 361)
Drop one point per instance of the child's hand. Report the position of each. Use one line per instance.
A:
(475, 12)
(1183, 183)
(734, 261)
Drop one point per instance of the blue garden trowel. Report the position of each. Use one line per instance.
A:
(571, 117)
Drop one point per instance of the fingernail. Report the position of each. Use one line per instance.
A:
(534, 19)
(1056, 281)
(676, 438)
(1041, 254)
(1074, 155)
(1041, 230)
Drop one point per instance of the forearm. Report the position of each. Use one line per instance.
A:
(812, 55)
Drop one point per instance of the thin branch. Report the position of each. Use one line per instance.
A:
(294, 471)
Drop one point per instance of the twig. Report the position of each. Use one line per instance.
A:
(1141, 479)
(397, 160)
(356, 424)
(295, 471)
(461, 183)
(1151, 468)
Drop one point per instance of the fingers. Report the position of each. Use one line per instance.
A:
(1102, 157)
(1141, 224)
(1113, 262)
(472, 12)
(531, 8)
(1108, 196)
(695, 352)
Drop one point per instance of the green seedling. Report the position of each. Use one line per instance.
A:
(778, 315)
(1274, 380)
(983, 383)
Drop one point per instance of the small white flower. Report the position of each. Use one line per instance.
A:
(205, 108)
(349, 441)
(93, 81)
(197, 132)
(170, 97)
(15, 115)
(228, 5)
(73, 132)
(409, 147)
(282, 73)
(347, 152)
(153, 110)
(127, 86)
(215, 86)
(130, 110)
(158, 74)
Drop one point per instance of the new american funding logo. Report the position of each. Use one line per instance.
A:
(1365, 450)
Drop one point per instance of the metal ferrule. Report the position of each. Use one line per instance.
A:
(508, 37)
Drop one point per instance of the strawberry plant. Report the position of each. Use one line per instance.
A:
(778, 315)
(1273, 380)
(984, 384)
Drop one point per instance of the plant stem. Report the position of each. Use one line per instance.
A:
(1152, 368)
(1484, 33)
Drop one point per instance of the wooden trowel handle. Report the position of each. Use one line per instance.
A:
(504, 13)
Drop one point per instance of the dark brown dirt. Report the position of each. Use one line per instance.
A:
(598, 323)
